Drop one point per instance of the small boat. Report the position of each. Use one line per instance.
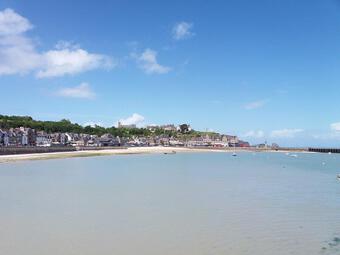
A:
(338, 177)
(234, 152)
(294, 155)
(172, 152)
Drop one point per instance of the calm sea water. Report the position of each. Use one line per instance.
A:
(183, 204)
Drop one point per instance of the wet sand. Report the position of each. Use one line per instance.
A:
(91, 153)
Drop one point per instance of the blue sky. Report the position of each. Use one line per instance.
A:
(265, 70)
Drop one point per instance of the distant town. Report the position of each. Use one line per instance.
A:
(21, 131)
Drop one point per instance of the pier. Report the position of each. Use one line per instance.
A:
(325, 150)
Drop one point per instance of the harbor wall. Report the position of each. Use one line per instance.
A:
(30, 150)
(325, 150)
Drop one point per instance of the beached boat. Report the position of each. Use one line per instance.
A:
(172, 152)
(234, 152)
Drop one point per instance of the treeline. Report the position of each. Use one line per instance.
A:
(66, 126)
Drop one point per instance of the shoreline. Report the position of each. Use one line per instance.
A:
(93, 153)
(122, 151)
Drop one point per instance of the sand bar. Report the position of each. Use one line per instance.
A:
(90, 153)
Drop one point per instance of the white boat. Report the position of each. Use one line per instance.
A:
(234, 153)
(294, 155)
(172, 152)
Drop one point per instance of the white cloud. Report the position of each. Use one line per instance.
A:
(335, 127)
(333, 134)
(71, 60)
(12, 23)
(18, 53)
(327, 136)
(134, 119)
(182, 30)
(255, 105)
(66, 45)
(148, 62)
(254, 134)
(285, 133)
(81, 91)
(92, 124)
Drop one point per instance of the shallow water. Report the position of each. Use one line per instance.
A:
(188, 203)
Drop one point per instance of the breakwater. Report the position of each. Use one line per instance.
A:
(325, 150)
(34, 149)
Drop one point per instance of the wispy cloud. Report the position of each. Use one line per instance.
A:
(182, 30)
(18, 53)
(285, 133)
(255, 104)
(148, 62)
(333, 134)
(281, 91)
(335, 126)
(81, 91)
(253, 134)
(216, 102)
(134, 119)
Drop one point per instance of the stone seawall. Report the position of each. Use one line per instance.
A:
(29, 150)
(98, 148)
(325, 150)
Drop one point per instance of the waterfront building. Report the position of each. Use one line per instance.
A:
(152, 128)
(2, 135)
(24, 139)
(121, 125)
(243, 144)
(109, 140)
(169, 127)
(43, 139)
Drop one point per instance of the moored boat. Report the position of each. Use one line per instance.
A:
(172, 152)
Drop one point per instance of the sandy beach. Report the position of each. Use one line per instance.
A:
(90, 153)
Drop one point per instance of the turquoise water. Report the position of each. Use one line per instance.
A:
(188, 203)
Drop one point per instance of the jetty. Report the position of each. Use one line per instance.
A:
(324, 150)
